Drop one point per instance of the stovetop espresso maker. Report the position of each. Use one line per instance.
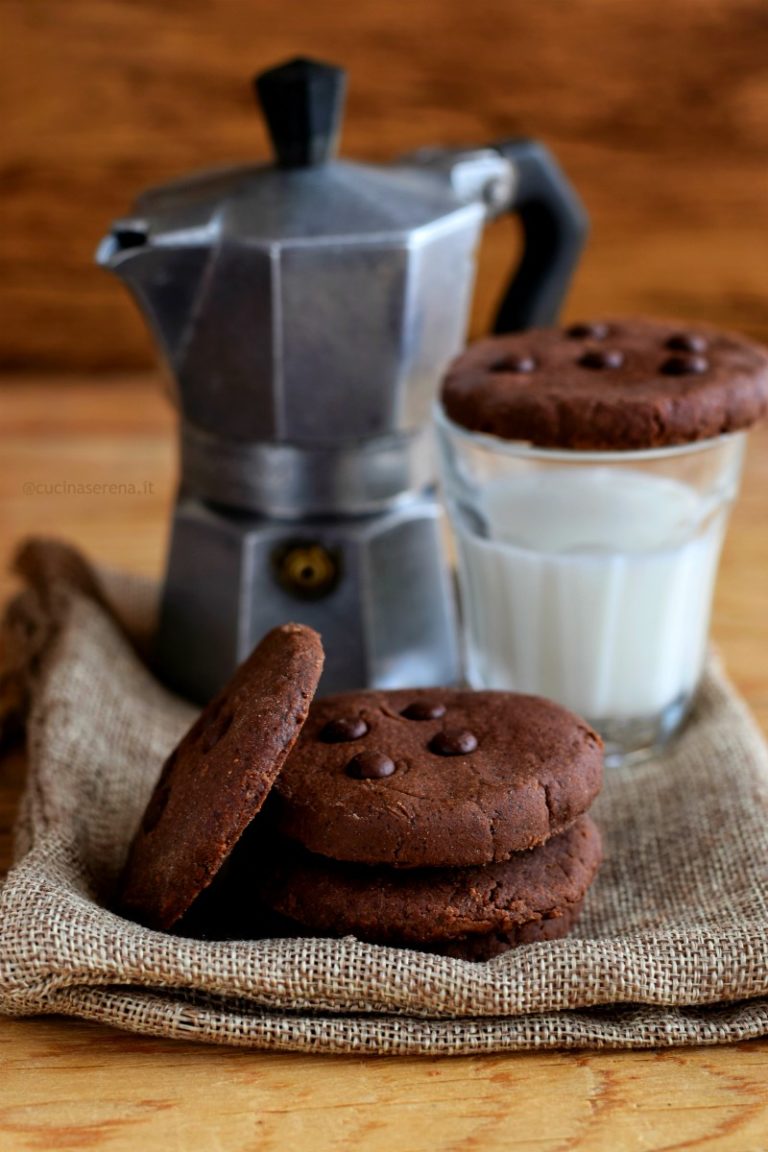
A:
(307, 309)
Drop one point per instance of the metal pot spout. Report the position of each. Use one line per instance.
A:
(164, 278)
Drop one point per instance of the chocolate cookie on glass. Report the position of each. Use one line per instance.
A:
(609, 385)
(435, 777)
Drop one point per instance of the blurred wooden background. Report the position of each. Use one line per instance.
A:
(658, 110)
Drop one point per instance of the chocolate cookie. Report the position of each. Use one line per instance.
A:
(616, 384)
(216, 780)
(435, 777)
(261, 924)
(480, 948)
(430, 906)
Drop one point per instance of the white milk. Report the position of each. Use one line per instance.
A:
(593, 587)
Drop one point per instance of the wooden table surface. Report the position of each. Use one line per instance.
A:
(66, 1084)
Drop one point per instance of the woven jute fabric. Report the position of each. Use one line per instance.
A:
(672, 947)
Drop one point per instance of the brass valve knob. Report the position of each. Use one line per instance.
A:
(306, 569)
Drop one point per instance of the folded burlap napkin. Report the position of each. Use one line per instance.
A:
(672, 947)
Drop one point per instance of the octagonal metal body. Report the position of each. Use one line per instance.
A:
(308, 307)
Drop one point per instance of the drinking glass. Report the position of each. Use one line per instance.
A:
(588, 577)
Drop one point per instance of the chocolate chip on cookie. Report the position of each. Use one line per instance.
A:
(344, 729)
(687, 342)
(371, 765)
(595, 330)
(424, 710)
(454, 742)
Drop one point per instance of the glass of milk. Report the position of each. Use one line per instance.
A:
(588, 577)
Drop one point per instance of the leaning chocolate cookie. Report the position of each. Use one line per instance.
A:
(436, 905)
(217, 778)
(434, 778)
(617, 384)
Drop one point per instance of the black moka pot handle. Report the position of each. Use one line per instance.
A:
(555, 227)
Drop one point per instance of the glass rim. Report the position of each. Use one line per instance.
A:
(524, 448)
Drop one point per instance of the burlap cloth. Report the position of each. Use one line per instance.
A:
(672, 947)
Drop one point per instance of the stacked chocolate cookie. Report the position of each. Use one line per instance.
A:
(452, 821)
(447, 820)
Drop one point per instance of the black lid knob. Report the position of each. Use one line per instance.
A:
(302, 101)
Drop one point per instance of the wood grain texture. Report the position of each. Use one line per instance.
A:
(658, 109)
(75, 1085)
(71, 1085)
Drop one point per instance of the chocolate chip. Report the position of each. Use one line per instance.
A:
(423, 710)
(453, 742)
(687, 342)
(602, 358)
(685, 366)
(596, 331)
(344, 728)
(370, 766)
(515, 364)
